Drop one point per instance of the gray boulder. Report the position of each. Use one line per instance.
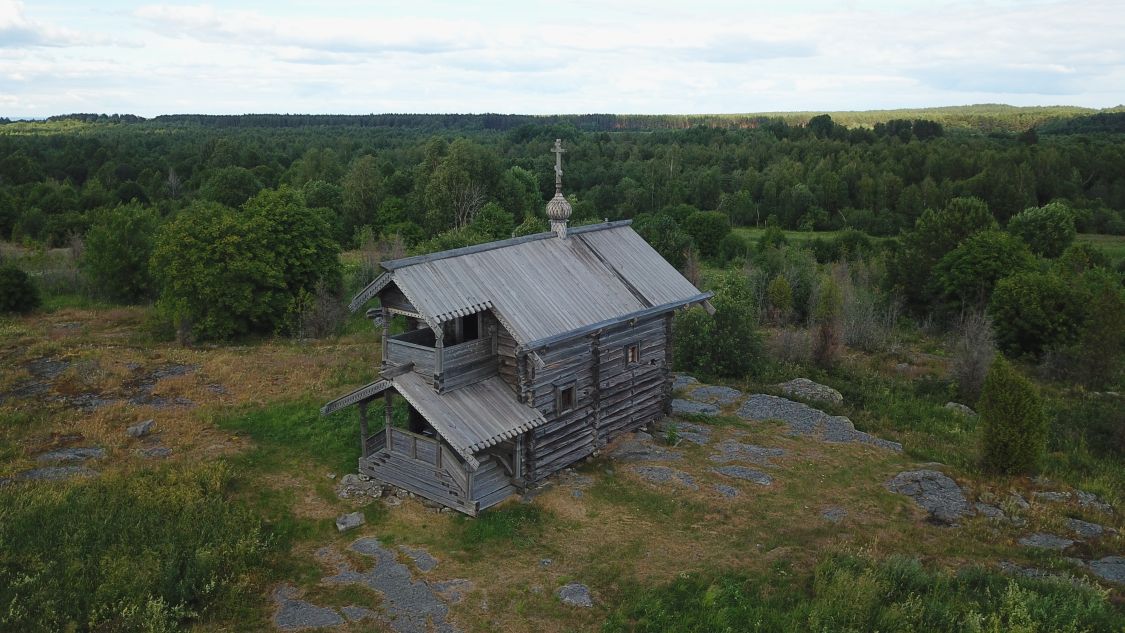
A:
(293, 614)
(663, 475)
(1043, 540)
(689, 407)
(935, 492)
(989, 511)
(748, 474)
(714, 394)
(805, 420)
(155, 452)
(575, 595)
(735, 451)
(689, 431)
(834, 514)
(806, 389)
(76, 454)
(350, 521)
(1055, 497)
(1085, 529)
(957, 407)
(725, 490)
(1092, 502)
(55, 473)
(683, 381)
(1111, 568)
(140, 429)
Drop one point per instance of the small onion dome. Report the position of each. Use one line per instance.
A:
(558, 208)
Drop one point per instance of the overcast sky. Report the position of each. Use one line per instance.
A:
(620, 56)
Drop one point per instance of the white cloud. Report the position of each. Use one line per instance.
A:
(434, 56)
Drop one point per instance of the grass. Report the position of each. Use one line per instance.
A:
(1112, 245)
(859, 593)
(514, 525)
(285, 431)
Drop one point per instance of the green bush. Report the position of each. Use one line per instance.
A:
(779, 294)
(118, 248)
(17, 293)
(1034, 312)
(663, 234)
(138, 552)
(965, 277)
(1012, 420)
(223, 274)
(1080, 257)
(726, 344)
(1048, 230)
(827, 319)
(707, 229)
(494, 222)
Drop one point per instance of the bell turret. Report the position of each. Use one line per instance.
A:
(558, 208)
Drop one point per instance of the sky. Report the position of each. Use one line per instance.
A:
(616, 56)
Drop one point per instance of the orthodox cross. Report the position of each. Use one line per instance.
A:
(558, 151)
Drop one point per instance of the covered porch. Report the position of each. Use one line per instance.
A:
(463, 449)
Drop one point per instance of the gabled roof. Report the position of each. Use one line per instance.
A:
(471, 418)
(539, 286)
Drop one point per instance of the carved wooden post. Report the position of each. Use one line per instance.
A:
(363, 428)
(388, 416)
(386, 335)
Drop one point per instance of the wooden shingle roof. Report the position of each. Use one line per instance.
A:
(540, 286)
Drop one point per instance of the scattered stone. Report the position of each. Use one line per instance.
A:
(453, 591)
(689, 407)
(293, 614)
(683, 381)
(689, 431)
(350, 521)
(422, 559)
(643, 436)
(1085, 529)
(715, 394)
(808, 390)
(805, 420)
(155, 452)
(1111, 568)
(727, 491)
(636, 450)
(575, 595)
(957, 407)
(141, 429)
(76, 454)
(1017, 501)
(663, 474)
(733, 451)
(358, 614)
(834, 514)
(1027, 572)
(217, 389)
(1046, 541)
(939, 495)
(742, 472)
(55, 473)
(545, 562)
(989, 511)
(331, 476)
(1057, 497)
(412, 606)
(1091, 501)
(353, 486)
(47, 368)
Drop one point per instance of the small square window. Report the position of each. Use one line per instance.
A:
(632, 354)
(566, 399)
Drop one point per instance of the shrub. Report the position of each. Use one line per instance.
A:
(973, 350)
(1034, 312)
(663, 233)
(531, 225)
(733, 248)
(223, 274)
(1097, 357)
(1080, 257)
(1048, 230)
(826, 320)
(118, 248)
(772, 237)
(726, 344)
(494, 222)
(136, 552)
(779, 295)
(965, 276)
(1013, 423)
(707, 229)
(17, 293)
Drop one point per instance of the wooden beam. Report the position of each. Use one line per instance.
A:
(364, 393)
(363, 428)
(396, 370)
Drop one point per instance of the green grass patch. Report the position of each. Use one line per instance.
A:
(1111, 245)
(142, 552)
(294, 430)
(615, 490)
(853, 593)
(517, 525)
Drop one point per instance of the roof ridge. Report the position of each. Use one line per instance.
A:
(395, 264)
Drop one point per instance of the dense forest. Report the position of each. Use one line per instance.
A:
(421, 175)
